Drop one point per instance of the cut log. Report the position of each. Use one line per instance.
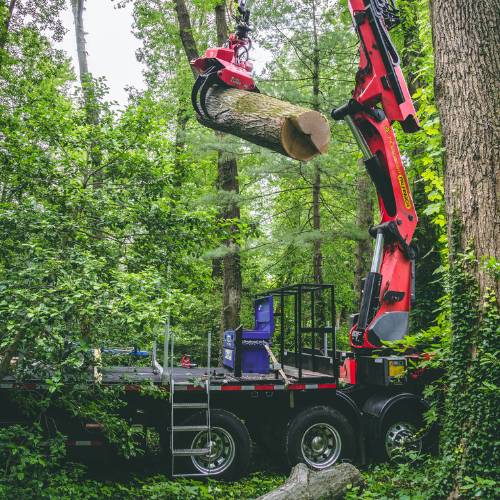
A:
(291, 130)
(306, 484)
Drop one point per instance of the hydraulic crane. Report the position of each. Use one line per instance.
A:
(380, 98)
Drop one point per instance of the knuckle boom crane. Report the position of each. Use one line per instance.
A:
(380, 98)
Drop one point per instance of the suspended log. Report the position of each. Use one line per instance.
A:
(291, 130)
(306, 484)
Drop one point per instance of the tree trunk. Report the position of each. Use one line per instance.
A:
(288, 129)
(6, 24)
(186, 32)
(305, 484)
(364, 219)
(466, 40)
(467, 63)
(91, 103)
(229, 184)
(316, 190)
(78, 7)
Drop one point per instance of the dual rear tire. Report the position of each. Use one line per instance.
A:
(320, 437)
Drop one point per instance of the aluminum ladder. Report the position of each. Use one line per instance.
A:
(186, 409)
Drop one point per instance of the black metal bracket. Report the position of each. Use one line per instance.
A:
(391, 232)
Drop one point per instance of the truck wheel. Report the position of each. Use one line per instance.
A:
(319, 437)
(229, 442)
(400, 436)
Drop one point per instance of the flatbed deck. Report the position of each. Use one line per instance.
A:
(191, 379)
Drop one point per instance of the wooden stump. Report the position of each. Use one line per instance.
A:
(291, 130)
(305, 484)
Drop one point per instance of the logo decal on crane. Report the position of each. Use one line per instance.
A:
(404, 192)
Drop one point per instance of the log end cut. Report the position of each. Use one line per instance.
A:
(305, 135)
(291, 130)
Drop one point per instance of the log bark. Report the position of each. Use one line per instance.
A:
(288, 129)
(306, 484)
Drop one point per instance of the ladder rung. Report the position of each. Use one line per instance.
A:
(190, 452)
(190, 428)
(190, 405)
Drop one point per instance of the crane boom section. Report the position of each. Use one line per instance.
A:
(380, 98)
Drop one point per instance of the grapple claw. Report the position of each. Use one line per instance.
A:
(194, 93)
(210, 80)
(228, 66)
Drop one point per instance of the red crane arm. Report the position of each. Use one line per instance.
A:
(380, 98)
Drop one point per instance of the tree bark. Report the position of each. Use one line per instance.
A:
(6, 24)
(229, 184)
(305, 484)
(467, 63)
(316, 189)
(186, 32)
(78, 7)
(364, 219)
(288, 129)
(466, 40)
(91, 103)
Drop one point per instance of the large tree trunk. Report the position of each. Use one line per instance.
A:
(227, 180)
(306, 484)
(466, 40)
(263, 120)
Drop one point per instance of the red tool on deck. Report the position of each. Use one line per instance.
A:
(228, 65)
(380, 98)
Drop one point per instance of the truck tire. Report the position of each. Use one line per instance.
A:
(319, 437)
(231, 447)
(399, 436)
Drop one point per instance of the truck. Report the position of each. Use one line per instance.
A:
(283, 383)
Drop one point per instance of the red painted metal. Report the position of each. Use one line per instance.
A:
(233, 71)
(297, 387)
(374, 88)
(327, 386)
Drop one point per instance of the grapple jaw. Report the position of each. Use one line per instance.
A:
(200, 88)
(226, 66)
(218, 71)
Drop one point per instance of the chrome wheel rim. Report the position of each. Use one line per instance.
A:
(321, 445)
(401, 438)
(222, 451)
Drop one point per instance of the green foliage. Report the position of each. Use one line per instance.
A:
(416, 481)
(470, 444)
(27, 453)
